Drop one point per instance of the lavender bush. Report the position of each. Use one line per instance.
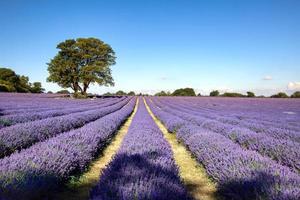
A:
(286, 152)
(23, 135)
(32, 116)
(276, 130)
(143, 168)
(241, 174)
(35, 172)
(11, 106)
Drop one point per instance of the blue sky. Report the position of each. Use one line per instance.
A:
(230, 45)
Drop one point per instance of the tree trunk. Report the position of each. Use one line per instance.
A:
(78, 86)
(85, 87)
(74, 87)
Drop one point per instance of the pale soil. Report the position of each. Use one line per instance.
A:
(79, 189)
(191, 172)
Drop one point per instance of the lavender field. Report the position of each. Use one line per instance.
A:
(247, 148)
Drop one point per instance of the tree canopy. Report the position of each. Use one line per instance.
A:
(184, 92)
(163, 93)
(63, 92)
(12, 82)
(214, 93)
(108, 94)
(121, 93)
(232, 94)
(280, 95)
(296, 94)
(37, 87)
(131, 93)
(81, 62)
(250, 94)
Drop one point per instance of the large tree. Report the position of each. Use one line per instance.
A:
(131, 93)
(214, 93)
(120, 93)
(296, 94)
(9, 80)
(184, 92)
(250, 94)
(37, 88)
(280, 95)
(12, 82)
(81, 62)
(162, 93)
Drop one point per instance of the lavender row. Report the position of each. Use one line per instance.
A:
(143, 168)
(243, 110)
(31, 95)
(281, 114)
(278, 133)
(43, 167)
(52, 104)
(285, 152)
(23, 135)
(15, 103)
(241, 174)
(9, 120)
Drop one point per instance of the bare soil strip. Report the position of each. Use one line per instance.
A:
(191, 172)
(80, 188)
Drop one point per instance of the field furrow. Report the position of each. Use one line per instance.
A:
(240, 174)
(23, 135)
(143, 168)
(43, 168)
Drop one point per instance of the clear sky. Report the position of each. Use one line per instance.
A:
(233, 45)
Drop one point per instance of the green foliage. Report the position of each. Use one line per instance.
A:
(232, 94)
(131, 93)
(199, 95)
(8, 80)
(121, 93)
(163, 93)
(184, 92)
(12, 82)
(250, 94)
(37, 88)
(4, 88)
(214, 93)
(296, 94)
(108, 94)
(24, 85)
(49, 92)
(63, 92)
(280, 95)
(79, 95)
(8, 75)
(81, 62)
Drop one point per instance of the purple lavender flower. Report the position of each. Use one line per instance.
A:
(240, 174)
(42, 168)
(143, 168)
(23, 135)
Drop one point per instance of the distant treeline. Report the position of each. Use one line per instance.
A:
(191, 92)
(121, 93)
(216, 93)
(12, 82)
(118, 93)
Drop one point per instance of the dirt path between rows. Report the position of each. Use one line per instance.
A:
(191, 172)
(79, 189)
